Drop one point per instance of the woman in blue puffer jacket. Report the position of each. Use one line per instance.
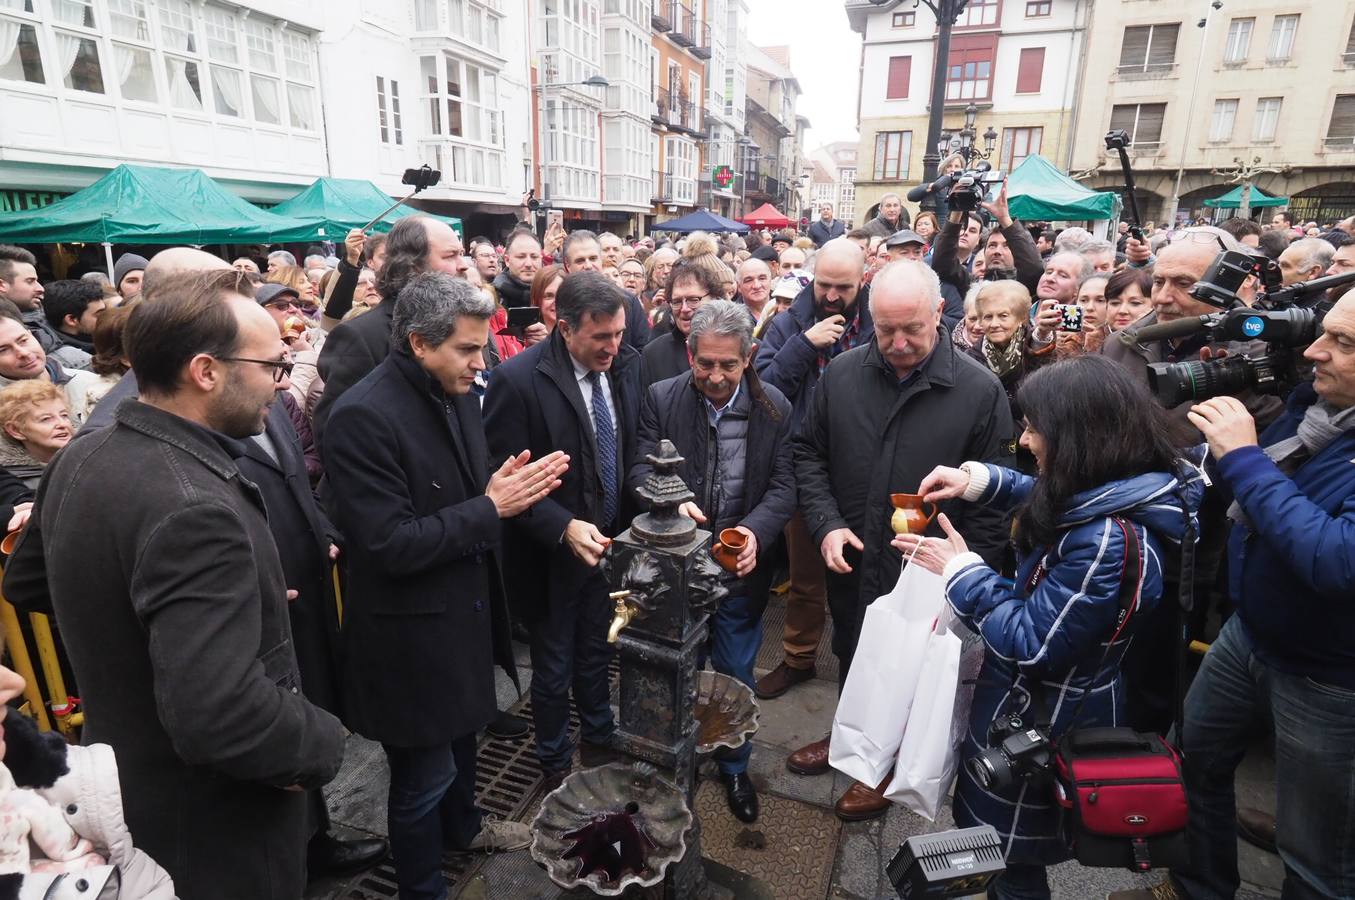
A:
(1107, 475)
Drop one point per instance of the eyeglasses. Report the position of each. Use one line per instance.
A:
(1196, 237)
(687, 302)
(280, 367)
(284, 303)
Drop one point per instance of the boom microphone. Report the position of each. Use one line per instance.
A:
(1165, 330)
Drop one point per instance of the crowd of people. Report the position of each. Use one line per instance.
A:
(460, 428)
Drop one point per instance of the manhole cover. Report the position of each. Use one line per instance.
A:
(793, 853)
(773, 627)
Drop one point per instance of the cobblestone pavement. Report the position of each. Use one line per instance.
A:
(844, 861)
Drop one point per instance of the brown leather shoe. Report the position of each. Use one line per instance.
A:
(1257, 828)
(781, 679)
(861, 802)
(811, 759)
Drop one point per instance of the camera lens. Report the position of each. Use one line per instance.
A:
(1177, 383)
(990, 769)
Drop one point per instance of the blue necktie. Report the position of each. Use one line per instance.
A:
(606, 440)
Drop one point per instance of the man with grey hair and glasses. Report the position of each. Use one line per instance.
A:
(734, 436)
(425, 618)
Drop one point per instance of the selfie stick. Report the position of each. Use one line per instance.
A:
(1120, 147)
(419, 184)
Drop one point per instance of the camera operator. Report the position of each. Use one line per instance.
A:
(940, 188)
(1090, 531)
(1006, 247)
(1285, 663)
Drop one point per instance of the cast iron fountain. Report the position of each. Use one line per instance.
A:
(612, 826)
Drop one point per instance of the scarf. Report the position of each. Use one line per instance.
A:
(1004, 360)
(1322, 423)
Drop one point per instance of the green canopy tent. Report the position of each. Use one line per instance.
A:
(332, 206)
(1037, 191)
(147, 205)
(1233, 199)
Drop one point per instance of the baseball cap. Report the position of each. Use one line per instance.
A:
(906, 236)
(789, 286)
(269, 292)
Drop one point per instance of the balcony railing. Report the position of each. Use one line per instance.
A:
(676, 111)
(701, 42)
(663, 186)
(684, 23)
(658, 17)
(762, 183)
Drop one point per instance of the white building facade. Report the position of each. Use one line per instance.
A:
(234, 89)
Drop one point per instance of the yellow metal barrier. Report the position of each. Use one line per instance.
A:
(23, 664)
(63, 706)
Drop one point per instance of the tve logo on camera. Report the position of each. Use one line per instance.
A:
(1253, 326)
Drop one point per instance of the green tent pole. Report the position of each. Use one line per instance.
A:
(108, 258)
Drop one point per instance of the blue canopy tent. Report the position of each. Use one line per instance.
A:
(701, 220)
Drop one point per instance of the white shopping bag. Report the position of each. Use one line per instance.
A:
(877, 696)
(930, 749)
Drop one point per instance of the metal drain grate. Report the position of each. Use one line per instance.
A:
(773, 626)
(507, 780)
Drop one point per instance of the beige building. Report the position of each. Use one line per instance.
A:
(1016, 60)
(773, 161)
(1276, 80)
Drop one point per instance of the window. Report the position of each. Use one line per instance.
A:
(267, 104)
(263, 53)
(185, 85)
(136, 74)
(970, 74)
(128, 18)
(176, 26)
(397, 125)
(1149, 48)
(24, 62)
(1037, 8)
(73, 12)
(979, 14)
(900, 67)
(904, 19)
(1238, 44)
(426, 15)
(382, 125)
(892, 149)
(301, 106)
(79, 57)
(1221, 125)
(1282, 38)
(1017, 144)
(1341, 131)
(297, 50)
(226, 91)
(1267, 118)
(223, 40)
(1143, 121)
(1030, 70)
(680, 162)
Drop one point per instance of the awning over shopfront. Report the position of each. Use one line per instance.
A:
(148, 205)
(766, 215)
(701, 220)
(1233, 199)
(1038, 192)
(331, 207)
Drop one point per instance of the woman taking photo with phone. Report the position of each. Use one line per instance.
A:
(1091, 529)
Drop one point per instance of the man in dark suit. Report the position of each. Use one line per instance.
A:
(307, 544)
(176, 618)
(578, 391)
(425, 619)
(416, 244)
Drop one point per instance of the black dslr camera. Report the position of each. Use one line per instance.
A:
(1014, 751)
(1280, 317)
(971, 187)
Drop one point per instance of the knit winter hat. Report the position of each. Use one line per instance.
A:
(127, 264)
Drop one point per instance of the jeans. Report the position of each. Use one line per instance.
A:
(1020, 882)
(431, 805)
(735, 635)
(569, 647)
(1235, 697)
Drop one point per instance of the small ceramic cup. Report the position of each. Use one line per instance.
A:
(726, 550)
(910, 515)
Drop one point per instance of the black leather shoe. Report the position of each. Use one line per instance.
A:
(329, 857)
(553, 778)
(742, 796)
(509, 727)
(591, 754)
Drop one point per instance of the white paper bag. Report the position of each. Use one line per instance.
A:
(877, 696)
(929, 752)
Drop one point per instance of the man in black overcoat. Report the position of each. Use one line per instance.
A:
(425, 620)
(579, 392)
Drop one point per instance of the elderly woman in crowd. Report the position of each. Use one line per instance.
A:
(36, 423)
(658, 267)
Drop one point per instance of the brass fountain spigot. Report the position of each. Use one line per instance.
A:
(621, 616)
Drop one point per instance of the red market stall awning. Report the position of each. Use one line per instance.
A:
(766, 215)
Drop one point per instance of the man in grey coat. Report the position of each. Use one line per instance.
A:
(176, 618)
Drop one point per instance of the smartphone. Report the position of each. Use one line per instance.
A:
(519, 317)
(1070, 316)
